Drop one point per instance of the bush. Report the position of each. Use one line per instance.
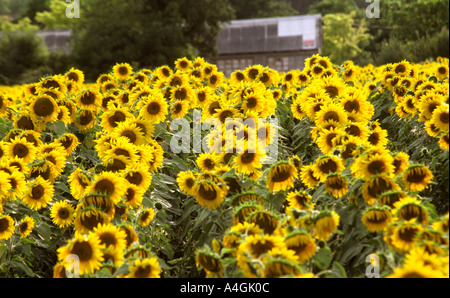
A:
(20, 52)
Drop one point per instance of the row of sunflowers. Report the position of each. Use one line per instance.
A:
(90, 185)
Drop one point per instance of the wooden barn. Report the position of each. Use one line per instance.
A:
(281, 43)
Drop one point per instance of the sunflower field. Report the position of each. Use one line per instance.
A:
(90, 185)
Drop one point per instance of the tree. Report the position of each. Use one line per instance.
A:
(342, 40)
(147, 33)
(325, 7)
(250, 9)
(55, 17)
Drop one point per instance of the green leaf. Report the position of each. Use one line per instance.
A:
(323, 258)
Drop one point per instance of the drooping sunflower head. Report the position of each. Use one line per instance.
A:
(208, 194)
(374, 187)
(308, 177)
(376, 219)
(75, 75)
(326, 165)
(145, 268)
(417, 177)
(325, 224)
(6, 227)
(404, 235)
(210, 262)
(336, 185)
(88, 218)
(302, 243)
(410, 208)
(281, 176)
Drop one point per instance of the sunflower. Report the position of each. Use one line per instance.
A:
(256, 247)
(428, 104)
(410, 208)
(109, 184)
(78, 183)
(265, 219)
(374, 187)
(300, 200)
(417, 177)
(308, 177)
(297, 110)
(111, 236)
(6, 227)
(88, 249)
(210, 262)
(122, 71)
(186, 182)
(84, 119)
(325, 224)
(130, 131)
(25, 226)
(336, 185)
(75, 75)
(183, 64)
(179, 109)
(400, 162)
(331, 113)
(302, 244)
(440, 117)
(39, 193)
(431, 129)
(208, 194)
(281, 263)
(416, 271)
(21, 148)
(404, 235)
(54, 82)
(45, 108)
(248, 161)
(87, 218)
(281, 176)
(88, 99)
(69, 142)
(111, 118)
(62, 214)
(18, 184)
(443, 141)
(376, 164)
(132, 236)
(329, 139)
(146, 216)
(133, 196)
(389, 198)
(376, 219)
(378, 137)
(207, 162)
(146, 268)
(154, 108)
(326, 165)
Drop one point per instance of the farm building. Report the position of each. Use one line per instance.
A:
(280, 43)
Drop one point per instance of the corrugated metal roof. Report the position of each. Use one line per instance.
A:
(271, 35)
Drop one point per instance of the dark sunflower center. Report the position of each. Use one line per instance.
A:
(154, 108)
(352, 106)
(105, 186)
(25, 123)
(328, 166)
(88, 98)
(181, 94)
(208, 194)
(376, 167)
(134, 178)
(379, 187)
(374, 138)
(444, 117)
(416, 176)
(63, 213)
(117, 117)
(247, 157)
(400, 68)
(336, 183)
(407, 234)
(4, 225)
(282, 173)
(377, 217)
(213, 107)
(143, 271)
(332, 91)
(108, 238)
(86, 118)
(259, 248)
(123, 70)
(37, 192)
(51, 84)
(130, 135)
(83, 250)
(240, 76)
(43, 107)
(253, 73)
(20, 150)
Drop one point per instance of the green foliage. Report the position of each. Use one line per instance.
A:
(55, 18)
(325, 7)
(20, 52)
(343, 41)
(250, 9)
